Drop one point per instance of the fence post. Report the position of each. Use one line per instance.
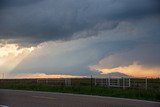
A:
(37, 80)
(129, 82)
(146, 83)
(70, 81)
(123, 83)
(95, 82)
(46, 81)
(91, 84)
(108, 81)
(118, 82)
(101, 81)
(65, 82)
(91, 80)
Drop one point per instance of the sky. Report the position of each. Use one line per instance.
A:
(79, 38)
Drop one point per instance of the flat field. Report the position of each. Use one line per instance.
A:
(87, 86)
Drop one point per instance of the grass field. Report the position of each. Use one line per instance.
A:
(94, 90)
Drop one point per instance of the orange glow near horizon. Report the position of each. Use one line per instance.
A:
(133, 70)
(43, 75)
(11, 55)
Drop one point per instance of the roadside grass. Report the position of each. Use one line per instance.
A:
(88, 90)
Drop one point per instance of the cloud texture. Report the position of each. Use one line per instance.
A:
(72, 37)
(33, 22)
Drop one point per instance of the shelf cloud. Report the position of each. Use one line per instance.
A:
(33, 22)
(80, 38)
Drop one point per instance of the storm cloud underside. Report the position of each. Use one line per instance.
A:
(42, 20)
(75, 35)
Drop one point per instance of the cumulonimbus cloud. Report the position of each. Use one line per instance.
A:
(36, 21)
(129, 42)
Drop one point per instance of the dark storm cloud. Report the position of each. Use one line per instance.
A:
(16, 3)
(129, 42)
(36, 21)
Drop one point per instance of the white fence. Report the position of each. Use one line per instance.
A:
(113, 82)
(141, 83)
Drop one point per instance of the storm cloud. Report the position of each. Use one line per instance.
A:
(36, 21)
(71, 36)
(128, 43)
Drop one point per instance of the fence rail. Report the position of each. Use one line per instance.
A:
(137, 83)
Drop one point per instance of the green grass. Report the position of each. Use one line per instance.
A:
(101, 91)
